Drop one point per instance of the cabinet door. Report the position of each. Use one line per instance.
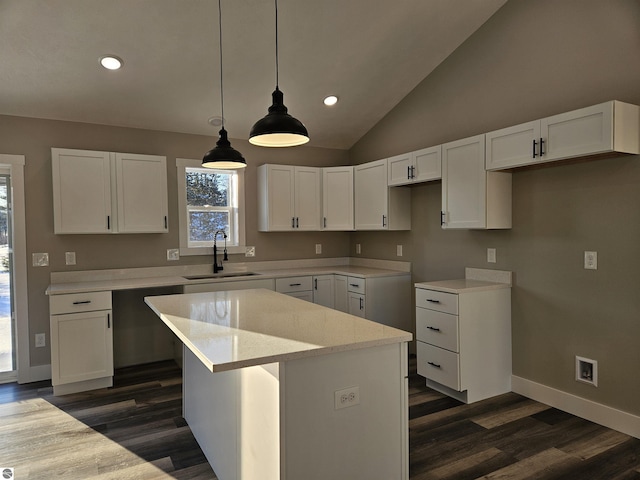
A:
(356, 304)
(513, 146)
(399, 170)
(323, 290)
(371, 196)
(83, 346)
(427, 164)
(141, 182)
(276, 198)
(580, 132)
(81, 191)
(337, 198)
(341, 299)
(307, 193)
(464, 183)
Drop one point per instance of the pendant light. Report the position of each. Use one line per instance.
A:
(223, 156)
(278, 128)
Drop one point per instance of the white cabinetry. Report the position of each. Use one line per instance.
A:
(267, 283)
(377, 206)
(81, 342)
(471, 196)
(385, 300)
(323, 290)
(337, 198)
(288, 198)
(414, 167)
(608, 127)
(299, 287)
(107, 192)
(464, 341)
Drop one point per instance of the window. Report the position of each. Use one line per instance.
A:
(210, 201)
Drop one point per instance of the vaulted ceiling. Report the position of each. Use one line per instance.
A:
(370, 53)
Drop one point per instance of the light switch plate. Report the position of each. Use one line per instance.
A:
(70, 258)
(491, 255)
(358, 249)
(250, 251)
(318, 248)
(173, 254)
(40, 259)
(399, 250)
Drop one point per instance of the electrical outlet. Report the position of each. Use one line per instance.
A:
(399, 250)
(249, 251)
(586, 371)
(173, 254)
(318, 248)
(347, 397)
(358, 249)
(70, 258)
(491, 255)
(40, 259)
(591, 260)
(41, 340)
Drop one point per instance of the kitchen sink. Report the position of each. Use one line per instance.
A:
(220, 275)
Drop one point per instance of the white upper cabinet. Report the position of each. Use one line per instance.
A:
(472, 197)
(608, 127)
(378, 207)
(288, 198)
(337, 198)
(414, 167)
(106, 192)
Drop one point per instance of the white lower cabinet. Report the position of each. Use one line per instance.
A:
(323, 290)
(299, 287)
(81, 342)
(464, 341)
(234, 285)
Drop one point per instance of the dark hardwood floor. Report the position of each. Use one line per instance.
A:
(135, 431)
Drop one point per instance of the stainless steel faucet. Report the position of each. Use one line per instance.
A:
(218, 268)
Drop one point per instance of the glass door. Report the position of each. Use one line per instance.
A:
(7, 324)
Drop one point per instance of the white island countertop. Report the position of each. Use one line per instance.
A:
(235, 329)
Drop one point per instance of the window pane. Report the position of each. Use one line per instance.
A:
(203, 225)
(207, 188)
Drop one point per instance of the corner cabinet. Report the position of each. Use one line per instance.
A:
(81, 342)
(377, 206)
(107, 192)
(464, 340)
(473, 198)
(288, 198)
(337, 198)
(604, 128)
(415, 167)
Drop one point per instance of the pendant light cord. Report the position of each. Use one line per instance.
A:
(277, 77)
(221, 89)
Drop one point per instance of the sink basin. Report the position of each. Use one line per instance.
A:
(220, 275)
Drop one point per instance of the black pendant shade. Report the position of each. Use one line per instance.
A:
(278, 128)
(223, 155)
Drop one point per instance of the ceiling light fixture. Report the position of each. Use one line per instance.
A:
(111, 62)
(223, 155)
(330, 100)
(278, 128)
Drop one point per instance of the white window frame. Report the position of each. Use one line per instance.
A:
(182, 164)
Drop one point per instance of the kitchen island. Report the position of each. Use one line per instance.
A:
(275, 387)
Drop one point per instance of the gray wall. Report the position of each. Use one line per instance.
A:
(530, 60)
(34, 139)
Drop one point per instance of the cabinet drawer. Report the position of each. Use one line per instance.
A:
(439, 365)
(356, 285)
(79, 302)
(439, 301)
(293, 284)
(437, 328)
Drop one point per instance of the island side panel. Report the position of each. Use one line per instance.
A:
(234, 416)
(367, 440)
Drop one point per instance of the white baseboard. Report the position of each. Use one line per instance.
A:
(596, 412)
(34, 374)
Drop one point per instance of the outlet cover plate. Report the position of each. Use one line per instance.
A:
(347, 397)
(591, 260)
(173, 254)
(249, 251)
(40, 259)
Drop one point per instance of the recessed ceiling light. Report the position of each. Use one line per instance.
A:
(331, 100)
(111, 62)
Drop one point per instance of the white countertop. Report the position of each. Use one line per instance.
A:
(461, 285)
(117, 281)
(235, 329)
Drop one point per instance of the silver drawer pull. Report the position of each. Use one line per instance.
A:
(434, 329)
(82, 302)
(295, 284)
(432, 301)
(434, 365)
